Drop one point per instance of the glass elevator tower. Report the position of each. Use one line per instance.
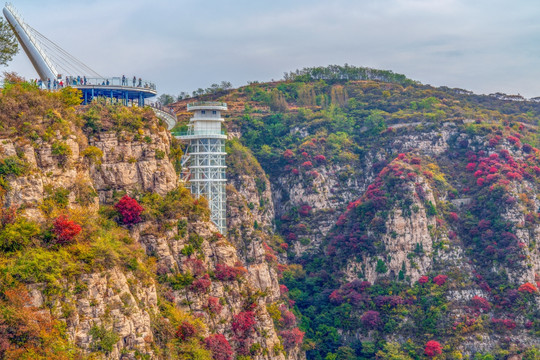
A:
(204, 160)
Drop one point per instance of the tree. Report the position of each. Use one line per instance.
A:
(65, 229)
(219, 346)
(8, 43)
(166, 99)
(433, 348)
(129, 209)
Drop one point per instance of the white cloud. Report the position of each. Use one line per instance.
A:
(485, 46)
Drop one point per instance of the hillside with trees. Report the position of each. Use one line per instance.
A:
(405, 216)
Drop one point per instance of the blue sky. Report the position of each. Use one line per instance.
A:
(181, 45)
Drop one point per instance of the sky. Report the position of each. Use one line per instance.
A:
(484, 46)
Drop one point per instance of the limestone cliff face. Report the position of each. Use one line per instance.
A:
(113, 301)
(127, 165)
(407, 241)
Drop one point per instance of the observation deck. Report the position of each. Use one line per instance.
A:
(115, 88)
(207, 105)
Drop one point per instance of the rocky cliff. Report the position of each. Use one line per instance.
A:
(151, 279)
(406, 215)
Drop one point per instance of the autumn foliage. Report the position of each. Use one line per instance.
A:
(243, 323)
(186, 331)
(433, 348)
(65, 229)
(219, 346)
(291, 338)
(129, 209)
(225, 272)
(528, 288)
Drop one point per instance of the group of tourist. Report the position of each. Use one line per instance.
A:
(55, 84)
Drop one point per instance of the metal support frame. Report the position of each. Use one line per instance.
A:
(203, 163)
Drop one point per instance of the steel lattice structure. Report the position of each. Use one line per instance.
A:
(204, 160)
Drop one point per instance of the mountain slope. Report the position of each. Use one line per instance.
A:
(408, 213)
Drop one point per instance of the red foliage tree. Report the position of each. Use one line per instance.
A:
(423, 279)
(65, 229)
(243, 323)
(320, 158)
(291, 338)
(227, 273)
(440, 279)
(480, 303)
(186, 330)
(471, 166)
(201, 285)
(304, 210)
(453, 216)
(307, 164)
(433, 348)
(288, 154)
(371, 319)
(129, 210)
(288, 319)
(213, 305)
(219, 347)
(528, 288)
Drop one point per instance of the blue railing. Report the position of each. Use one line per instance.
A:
(77, 81)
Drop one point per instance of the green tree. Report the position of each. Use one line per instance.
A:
(8, 43)
(166, 99)
(392, 351)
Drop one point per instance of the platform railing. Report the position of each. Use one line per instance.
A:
(206, 103)
(111, 81)
(199, 132)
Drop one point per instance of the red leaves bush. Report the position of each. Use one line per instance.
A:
(201, 285)
(304, 210)
(186, 331)
(219, 347)
(480, 303)
(440, 279)
(528, 288)
(433, 348)
(502, 324)
(65, 229)
(243, 323)
(129, 210)
(225, 272)
(371, 319)
(423, 279)
(213, 306)
(291, 338)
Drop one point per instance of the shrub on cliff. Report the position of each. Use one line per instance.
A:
(186, 331)
(225, 272)
(291, 338)
(65, 229)
(243, 323)
(219, 346)
(18, 235)
(129, 209)
(433, 348)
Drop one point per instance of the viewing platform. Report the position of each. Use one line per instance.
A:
(114, 88)
(207, 105)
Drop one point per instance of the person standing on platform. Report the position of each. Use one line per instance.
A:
(49, 84)
(134, 80)
(84, 80)
(123, 80)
